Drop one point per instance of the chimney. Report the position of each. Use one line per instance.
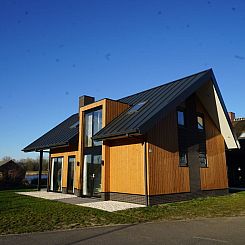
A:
(232, 116)
(85, 100)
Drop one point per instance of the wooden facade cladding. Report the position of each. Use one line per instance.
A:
(126, 168)
(165, 176)
(215, 175)
(64, 152)
(110, 110)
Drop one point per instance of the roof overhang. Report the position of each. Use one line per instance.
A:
(117, 136)
(210, 96)
(37, 149)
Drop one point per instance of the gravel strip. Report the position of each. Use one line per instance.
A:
(46, 195)
(111, 206)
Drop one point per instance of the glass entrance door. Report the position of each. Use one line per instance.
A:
(70, 175)
(56, 174)
(92, 175)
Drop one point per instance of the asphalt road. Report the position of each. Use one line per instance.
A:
(205, 231)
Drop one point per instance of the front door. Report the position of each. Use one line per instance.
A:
(56, 174)
(92, 175)
(70, 174)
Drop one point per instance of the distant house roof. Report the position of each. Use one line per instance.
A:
(239, 127)
(162, 99)
(6, 161)
(62, 135)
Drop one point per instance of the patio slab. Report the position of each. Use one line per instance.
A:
(97, 203)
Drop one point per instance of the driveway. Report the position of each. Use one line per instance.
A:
(205, 231)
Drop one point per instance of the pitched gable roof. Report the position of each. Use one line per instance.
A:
(61, 135)
(163, 99)
(157, 99)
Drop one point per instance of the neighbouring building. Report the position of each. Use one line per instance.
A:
(11, 173)
(236, 157)
(160, 145)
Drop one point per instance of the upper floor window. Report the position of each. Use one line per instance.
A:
(200, 122)
(93, 123)
(181, 117)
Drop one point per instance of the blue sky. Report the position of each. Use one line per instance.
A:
(51, 52)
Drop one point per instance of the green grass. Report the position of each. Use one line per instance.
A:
(20, 214)
(209, 207)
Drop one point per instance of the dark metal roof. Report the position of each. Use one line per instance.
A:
(63, 134)
(159, 99)
(5, 162)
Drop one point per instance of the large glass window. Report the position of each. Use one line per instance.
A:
(88, 129)
(93, 123)
(56, 174)
(70, 174)
(97, 124)
(92, 175)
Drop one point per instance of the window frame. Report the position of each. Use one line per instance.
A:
(206, 160)
(201, 115)
(136, 107)
(91, 111)
(180, 109)
(186, 155)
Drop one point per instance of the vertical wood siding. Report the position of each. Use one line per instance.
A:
(165, 175)
(127, 168)
(215, 175)
(111, 110)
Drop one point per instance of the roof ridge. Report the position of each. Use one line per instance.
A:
(165, 84)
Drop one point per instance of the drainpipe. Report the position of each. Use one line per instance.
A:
(145, 175)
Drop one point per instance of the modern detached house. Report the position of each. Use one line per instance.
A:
(160, 145)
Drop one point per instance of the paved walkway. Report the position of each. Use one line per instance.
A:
(109, 206)
(206, 231)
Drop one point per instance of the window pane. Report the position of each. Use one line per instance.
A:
(136, 107)
(57, 174)
(88, 129)
(203, 159)
(181, 118)
(183, 159)
(97, 124)
(200, 123)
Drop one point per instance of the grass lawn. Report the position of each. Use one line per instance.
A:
(20, 214)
